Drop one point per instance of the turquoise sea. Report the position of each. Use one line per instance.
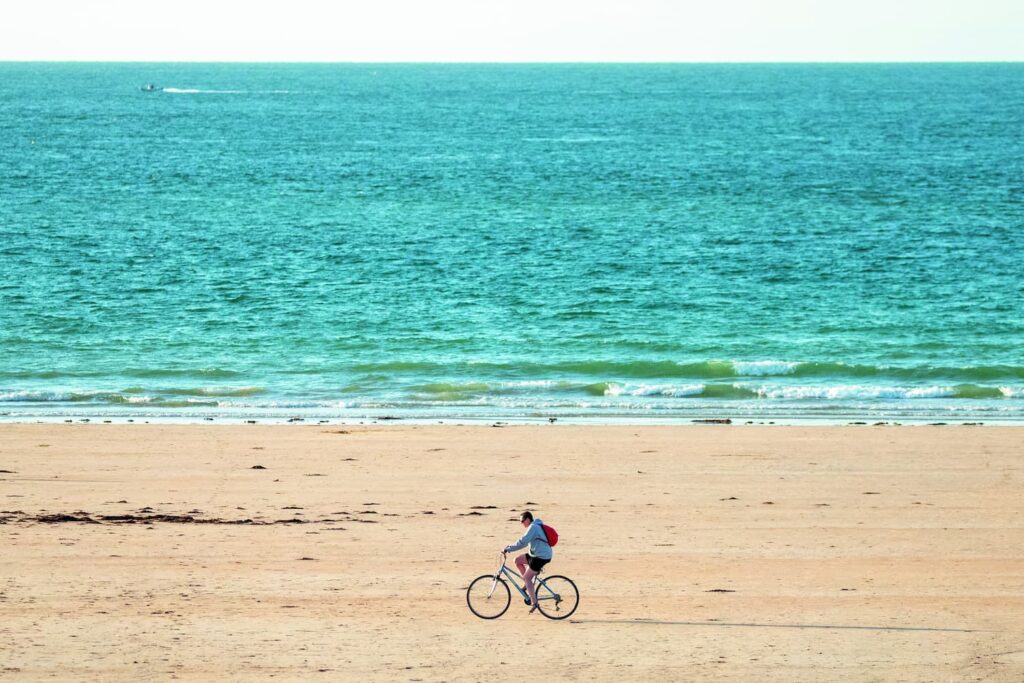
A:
(440, 242)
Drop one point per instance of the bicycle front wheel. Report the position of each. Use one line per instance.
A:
(488, 596)
(557, 597)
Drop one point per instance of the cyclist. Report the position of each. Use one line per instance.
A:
(538, 555)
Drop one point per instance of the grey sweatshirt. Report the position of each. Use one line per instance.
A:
(538, 543)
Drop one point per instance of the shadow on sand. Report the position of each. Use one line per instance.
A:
(658, 622)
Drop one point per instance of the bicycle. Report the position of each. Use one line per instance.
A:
(488, 596)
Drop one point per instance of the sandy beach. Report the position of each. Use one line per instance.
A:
(862, 553)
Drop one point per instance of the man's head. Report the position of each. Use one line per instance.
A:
(526, 519)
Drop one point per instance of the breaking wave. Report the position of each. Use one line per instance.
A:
(709, 369)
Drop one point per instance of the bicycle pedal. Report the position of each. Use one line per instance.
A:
(526, 601)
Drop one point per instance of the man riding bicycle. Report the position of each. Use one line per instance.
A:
(539, 554)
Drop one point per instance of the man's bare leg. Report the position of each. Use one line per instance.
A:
(531, 589)
(521, 565)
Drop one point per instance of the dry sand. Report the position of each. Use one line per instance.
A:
(702, 553)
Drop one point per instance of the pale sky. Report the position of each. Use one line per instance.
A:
(512, 30)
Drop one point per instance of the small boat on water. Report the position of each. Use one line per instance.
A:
(149, 87)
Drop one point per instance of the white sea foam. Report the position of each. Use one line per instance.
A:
(668, 390)
(299, 404)
(855, 391)
(194, 91)
(531, 384)
(613, 389)
(519, 404)
(35, 396)
(764, 367)
(200, 91)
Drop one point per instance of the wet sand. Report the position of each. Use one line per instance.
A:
(131, 552)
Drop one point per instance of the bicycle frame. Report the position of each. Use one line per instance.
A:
(514, 578)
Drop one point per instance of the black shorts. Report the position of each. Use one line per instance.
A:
(535, 562)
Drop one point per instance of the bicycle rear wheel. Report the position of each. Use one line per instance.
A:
(557, 596)
(488, 596)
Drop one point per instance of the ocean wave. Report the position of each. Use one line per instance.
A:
(537, 384)
(294, 404)
(49, 374)
(495, 386)
(727, 391)
(400, 366)
(201, 391)
(155, 401)
(525, 392)
(668, 390)
(34, 396)
(473, 391)
(438, 388)
(698, 370)
(100, 397)
(646, 369)
(801, 393)
(860, 391)
(764, 367)
(200, 373)
(967, 373)
(464, 391)
(134, 373)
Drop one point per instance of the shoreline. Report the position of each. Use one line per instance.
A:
(471, 421)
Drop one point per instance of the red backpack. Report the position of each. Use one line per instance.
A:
(550, 534)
